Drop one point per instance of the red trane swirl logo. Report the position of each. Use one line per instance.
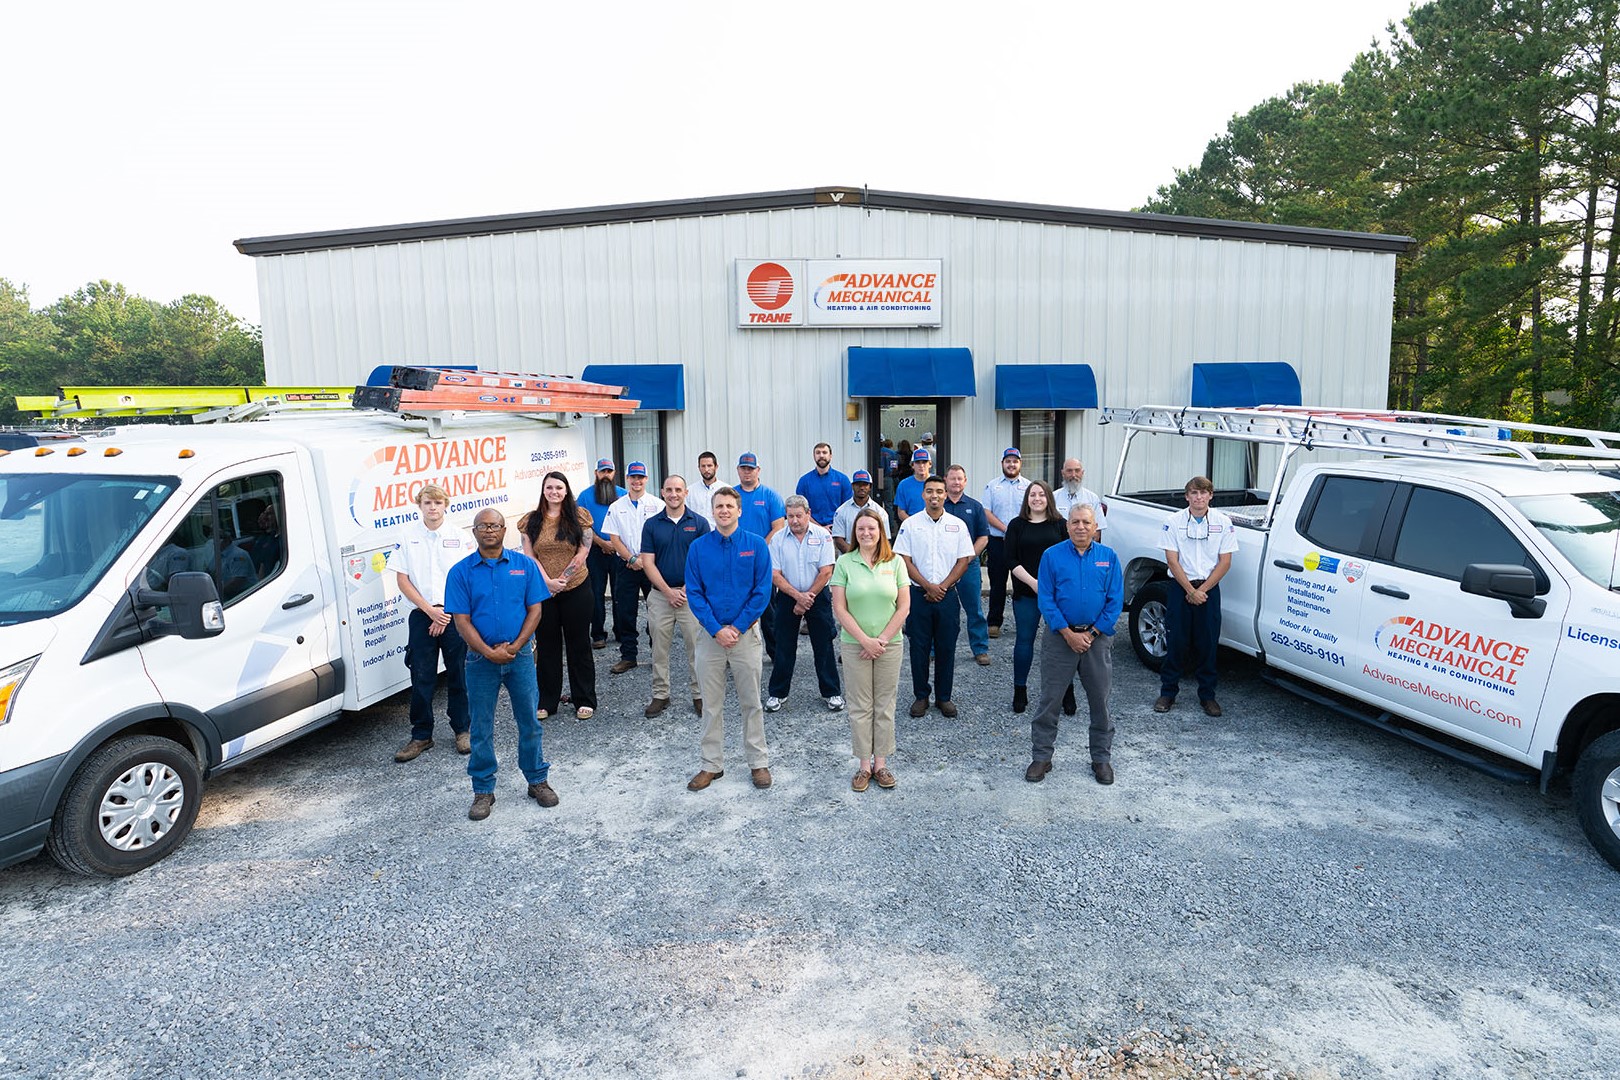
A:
(770, 285)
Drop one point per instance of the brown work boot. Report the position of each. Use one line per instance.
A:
(463, 742)
(413, 749)
(542, 794)
(483, 803)
(762, 777)
(703, 779)
(655, 706)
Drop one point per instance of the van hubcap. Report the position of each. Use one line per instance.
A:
(1609, 795)
(141, 806)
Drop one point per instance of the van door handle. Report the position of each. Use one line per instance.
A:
(1287, 564)
(298, 601)
(1386, 590)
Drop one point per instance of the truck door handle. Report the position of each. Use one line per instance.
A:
(298, 601)
(1287, 564)
(1386, 590)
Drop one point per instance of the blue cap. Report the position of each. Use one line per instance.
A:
(604, 463)
(921, 454)
(748, 461)
(636, 469)
(1011, 451)
(861, 477)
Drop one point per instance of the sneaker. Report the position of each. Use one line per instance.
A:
(542, 794)
(483, 803)
(413, 749)
(772, 704)
(835, 703)
(463, 742)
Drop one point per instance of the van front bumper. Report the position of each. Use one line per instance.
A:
(24, 819)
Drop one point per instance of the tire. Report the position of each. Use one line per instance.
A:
(1597, 795)
(1148, 610)
(130, 804)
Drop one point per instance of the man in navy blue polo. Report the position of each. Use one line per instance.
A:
(494, 596)
(824, 487)
(664, 542)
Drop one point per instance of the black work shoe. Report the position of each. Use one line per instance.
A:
(1070, 706)
(919, 708)
(1037, 771)
(1020, 698)
(1103, 771)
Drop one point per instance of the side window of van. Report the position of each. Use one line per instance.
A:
(1344, 513)
(1443, 532)
(235, 534)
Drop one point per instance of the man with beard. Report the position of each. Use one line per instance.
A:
(1003, 498)
(824, 487)
(700, 494)
(596, 499)
(1070, 494)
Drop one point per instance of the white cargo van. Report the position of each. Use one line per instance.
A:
(1453, 581)
(177, 600)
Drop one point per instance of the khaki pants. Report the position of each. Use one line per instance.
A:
(871, 686)
(745, 660)
(662, 618)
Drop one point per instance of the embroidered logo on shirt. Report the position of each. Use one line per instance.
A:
(517, 573)
(746, 554)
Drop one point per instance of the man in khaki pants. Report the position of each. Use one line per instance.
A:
(728, 585)
(664, 543)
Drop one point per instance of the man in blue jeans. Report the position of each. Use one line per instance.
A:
(494, 595)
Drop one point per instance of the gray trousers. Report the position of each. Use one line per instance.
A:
(1059, 663)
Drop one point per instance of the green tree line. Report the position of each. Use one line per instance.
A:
(1489, 132)
(104, 335)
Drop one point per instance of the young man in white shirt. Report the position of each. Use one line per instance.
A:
(1198, 544)
(936, 550)
(426, 553)
(625, 519)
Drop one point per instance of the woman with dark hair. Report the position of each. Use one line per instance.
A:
(557, 535)
(1036, 528)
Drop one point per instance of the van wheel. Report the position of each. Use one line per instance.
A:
(129, 805)
(1148, 611)
(1597, 795)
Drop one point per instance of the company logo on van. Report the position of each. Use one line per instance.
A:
(472, 471)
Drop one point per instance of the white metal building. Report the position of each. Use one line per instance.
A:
(769, 322)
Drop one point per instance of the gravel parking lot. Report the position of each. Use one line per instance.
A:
(1279, 889)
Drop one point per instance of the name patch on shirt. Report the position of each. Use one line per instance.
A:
(746, 554)
(953, 528)
(688, 528)
(517, 573)
(455, 543)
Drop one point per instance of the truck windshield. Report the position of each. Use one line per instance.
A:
(59, 533)
(1584, 526)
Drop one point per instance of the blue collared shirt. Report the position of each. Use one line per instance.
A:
(587, 500)
(824, 493)
(495, 594)
(758, 508)
(1005, 497)
(908, 496)
(667, 542)
(1080, 590)
(801, 560)
(728, 579)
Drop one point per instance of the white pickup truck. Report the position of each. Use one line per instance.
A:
(1450, 574)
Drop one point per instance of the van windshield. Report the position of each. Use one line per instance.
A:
(1584, 526)
(59, 533)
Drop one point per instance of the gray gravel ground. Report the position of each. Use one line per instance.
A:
(1279, 889)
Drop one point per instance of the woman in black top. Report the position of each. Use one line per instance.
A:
(1035, 529)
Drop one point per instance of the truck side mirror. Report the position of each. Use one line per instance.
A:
(193, 602)
(1509, 582)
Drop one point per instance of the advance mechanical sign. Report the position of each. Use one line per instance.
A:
(839, 292)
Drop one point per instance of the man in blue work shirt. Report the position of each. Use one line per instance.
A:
(1003, 499)
(596, 500)
(494, 596)
(908, 495)
(824, 487)
(728, 585)
(968, 589)
(762, 513)
(1080, 593)
(665, 540)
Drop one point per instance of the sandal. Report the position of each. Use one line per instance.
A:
(860, 781)
(584, 712)
(885, 779)
(541, 714)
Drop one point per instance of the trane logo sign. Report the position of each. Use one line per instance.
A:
(839, 292)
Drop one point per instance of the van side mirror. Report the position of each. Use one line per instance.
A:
(1509, 582)
(192, 600)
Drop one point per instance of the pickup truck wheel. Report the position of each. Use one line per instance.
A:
(1597, 795)
(131, 803)
(1147, 624)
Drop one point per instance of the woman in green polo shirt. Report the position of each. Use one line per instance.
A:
(871, 600)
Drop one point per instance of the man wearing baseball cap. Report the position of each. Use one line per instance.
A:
(1003, 499)
(596, 500)
(908, 496)
(625, 521)
(762, 512)
(843, 526)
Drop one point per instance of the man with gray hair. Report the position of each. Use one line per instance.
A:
(802, 557)
(1070, 494)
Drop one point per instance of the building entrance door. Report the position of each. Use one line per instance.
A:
(899, 428)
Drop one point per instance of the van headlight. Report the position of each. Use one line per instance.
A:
(11, 680)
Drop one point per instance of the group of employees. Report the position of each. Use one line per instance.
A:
(738, 569)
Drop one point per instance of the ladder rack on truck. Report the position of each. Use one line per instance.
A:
(1385, 432)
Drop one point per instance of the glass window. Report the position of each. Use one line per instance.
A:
(639, 436)
(1038, 434)
(235, 535)
(1443, 532)
(1341, 513)
(1584, 526)
(59, 534)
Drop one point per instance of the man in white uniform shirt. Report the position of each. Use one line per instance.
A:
(625, 519)
(843, 526)
(1198, 544)
(700, 496)
(936, 550)
(426, 553)
(802, 557)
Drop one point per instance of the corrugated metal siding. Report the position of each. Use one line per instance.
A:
(1140, 308)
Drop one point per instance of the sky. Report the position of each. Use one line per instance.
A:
(142, 139)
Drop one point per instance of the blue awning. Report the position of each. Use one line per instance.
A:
(656, 386)
(911, 373)
(1045, 386)
(1240, 385)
